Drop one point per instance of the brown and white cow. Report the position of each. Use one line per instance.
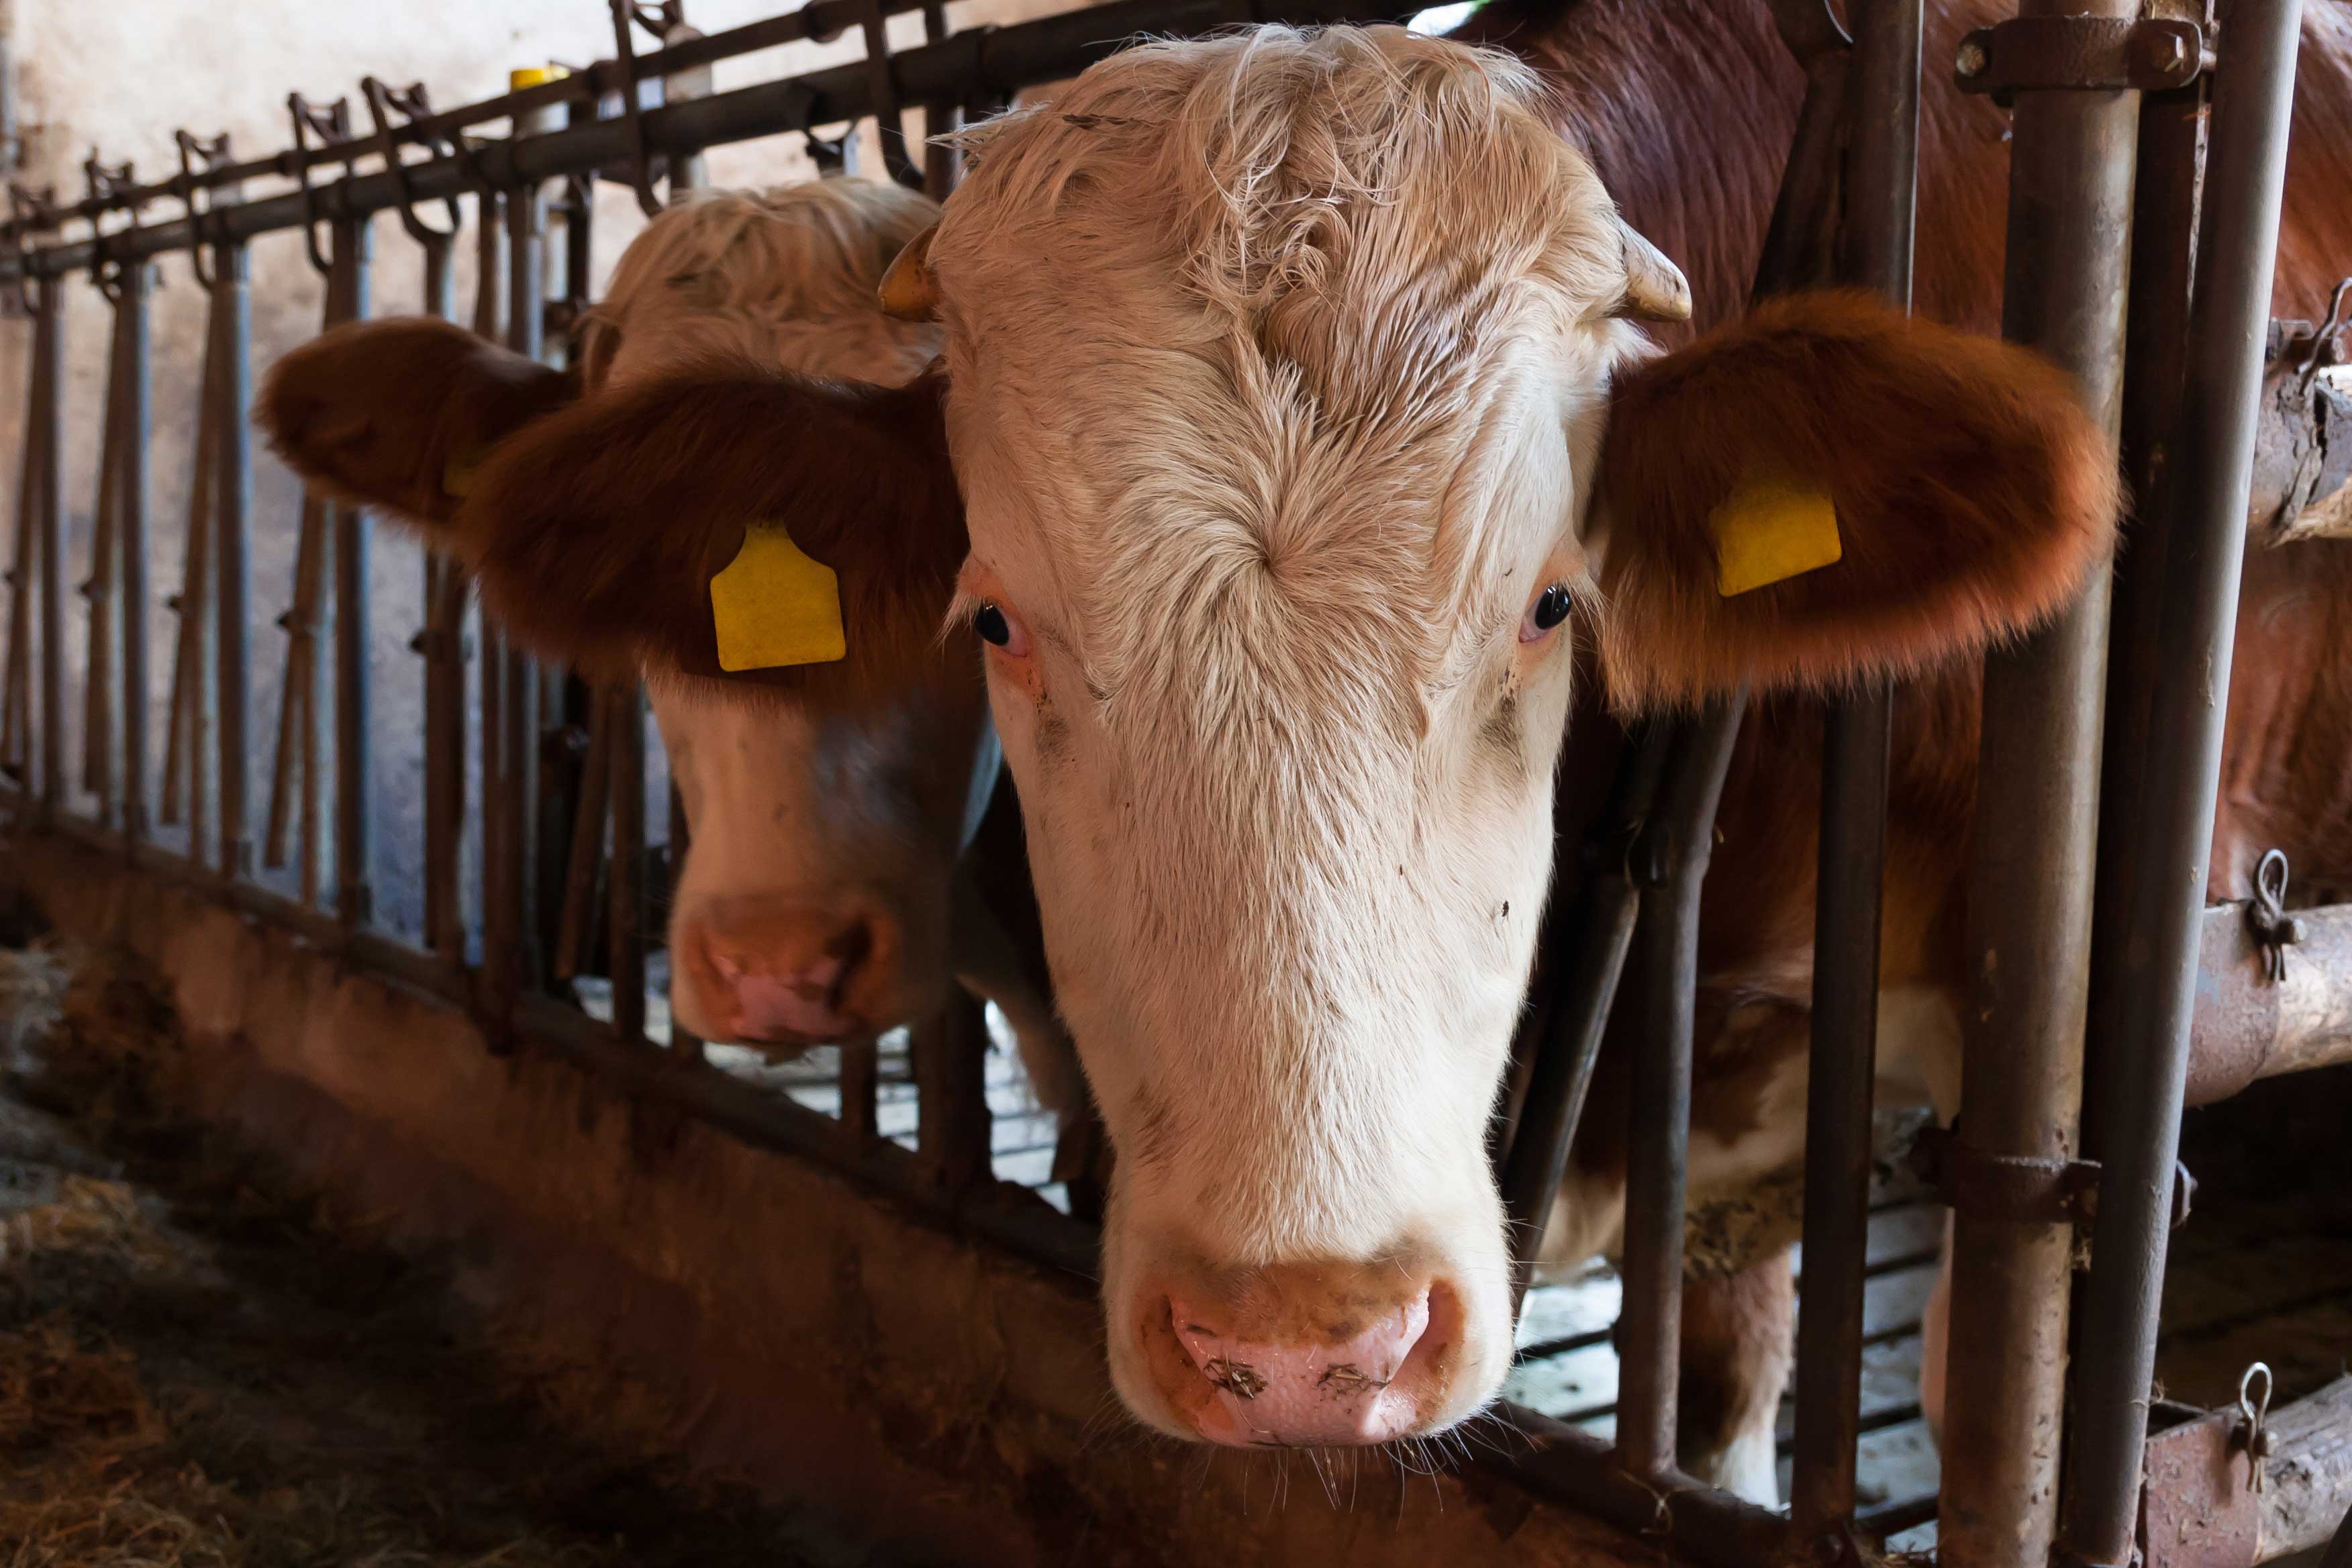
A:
(819, 898)
(1292, 426)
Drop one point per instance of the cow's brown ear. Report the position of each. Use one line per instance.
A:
(400, 413)
(594, 533)
(1830, 491)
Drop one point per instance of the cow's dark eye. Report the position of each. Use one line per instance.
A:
(991, 626)
(1550, 608)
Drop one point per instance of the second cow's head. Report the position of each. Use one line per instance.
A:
(1292, 425)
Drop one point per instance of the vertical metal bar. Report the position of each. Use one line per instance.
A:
(951, 1054)
(578, 925)
(626, 924)
(47, 415)
(525, 213)
(499, 915)
(16, 744)
(1881, 202)
(2139, 1094)
(99, 592)
(187, 748)
(232, 517)
(132, 501)
(2028, 915)
(441, 641)
(2156, 345)
(354, 761)
(683, 1040)
(1561, 1073)
(860, 1072)
(1649, 1326)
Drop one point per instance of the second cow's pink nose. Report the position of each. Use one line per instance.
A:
(799, 1004)
(1290, 1394)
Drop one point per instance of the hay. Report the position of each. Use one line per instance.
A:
(198, 1370)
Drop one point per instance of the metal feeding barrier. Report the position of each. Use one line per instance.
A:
(2111, 150)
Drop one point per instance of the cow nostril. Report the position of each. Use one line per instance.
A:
(852, 950)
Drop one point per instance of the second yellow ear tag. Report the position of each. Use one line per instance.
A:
(1768, 533)
(773, 605)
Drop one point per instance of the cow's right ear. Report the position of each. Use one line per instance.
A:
(400, 413)
(594, 534)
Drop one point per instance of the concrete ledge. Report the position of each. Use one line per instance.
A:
(937, 1401)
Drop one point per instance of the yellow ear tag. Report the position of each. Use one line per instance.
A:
(1770, 531)
(458, 475)
(773, 605)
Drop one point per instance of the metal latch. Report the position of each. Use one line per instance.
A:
(2081, 53)
(2021, 1188)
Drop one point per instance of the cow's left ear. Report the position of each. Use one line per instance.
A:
(1829, 491)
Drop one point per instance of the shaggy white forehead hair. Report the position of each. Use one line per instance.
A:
(1268, 315)
(784, 278)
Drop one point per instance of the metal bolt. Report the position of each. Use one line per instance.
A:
(1973, 59)
(2173, 52)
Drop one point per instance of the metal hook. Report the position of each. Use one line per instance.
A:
(106, 181)
(28, 210)
(2255, 1435)
(212, 153)
(332, 125)
(2325, 330)
(2273, 928)
(412, 104)
(832, 158)
(625, 51)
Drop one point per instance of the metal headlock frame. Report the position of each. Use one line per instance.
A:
(2076, 74)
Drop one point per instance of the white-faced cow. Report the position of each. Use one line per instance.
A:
(1294, 423)
(827, 802)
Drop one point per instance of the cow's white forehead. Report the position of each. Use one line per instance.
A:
(1239, 329)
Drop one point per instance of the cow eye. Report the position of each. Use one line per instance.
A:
(1550, 608)
(1000, 629)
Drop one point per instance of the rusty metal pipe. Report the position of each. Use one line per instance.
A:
(47, 416)
(1881, 204)
(232, 524)
(354, 646)
(626, 923)
(2029, 902)
(2140, 1089)
(137, 416)
(2248, 1026)
(1649, 1326)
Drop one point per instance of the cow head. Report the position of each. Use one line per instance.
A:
(826, 804)
(1303, 428)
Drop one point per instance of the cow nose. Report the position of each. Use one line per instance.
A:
(789, 979)
(1367, 1387)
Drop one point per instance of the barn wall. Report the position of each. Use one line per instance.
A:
(122, 75)
(792, 1330)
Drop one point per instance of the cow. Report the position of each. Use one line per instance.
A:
(1296, 432)
(828, 812)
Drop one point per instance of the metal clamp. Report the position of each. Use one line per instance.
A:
(106, 182)
(412, 105)
(833, 158)
(331, 124)
(213, 153)
(28, 210)
(2272, 930)
(2022, 1189)
(629, 15)
(884, 87)
(2029, 54)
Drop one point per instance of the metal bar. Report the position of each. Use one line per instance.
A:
(1698, 1524)
(138, 281)
(2155, 342)
(2251, 1024)
(682, 1040)
(1585, 992)
(999, 60)
(1649, 1329)
(525, 219)
(574, 931)
(101, 619)
(950, 1052)
(442, 642)
(1881, 201)
(232, 518)
(626, 924)
(354, 644)
(48, 416)
(2140, 1087)
(2028, 890)
(16, 742)
(860, 1077)
(500, 917)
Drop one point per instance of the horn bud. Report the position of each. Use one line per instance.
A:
(1655, 289)
(907, 292)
